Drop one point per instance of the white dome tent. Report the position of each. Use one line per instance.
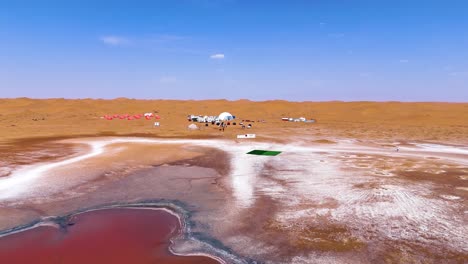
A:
(225, 116)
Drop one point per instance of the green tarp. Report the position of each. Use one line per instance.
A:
(264, 152)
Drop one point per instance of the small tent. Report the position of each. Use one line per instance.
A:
(192, 127)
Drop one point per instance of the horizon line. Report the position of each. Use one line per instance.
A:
(232, 100)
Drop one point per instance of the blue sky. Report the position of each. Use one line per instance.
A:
(260, 50)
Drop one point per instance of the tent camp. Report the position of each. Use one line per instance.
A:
(225, 116)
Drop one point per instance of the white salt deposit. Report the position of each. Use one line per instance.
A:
(450, 197)
(316, 177)
(22, 179)
(243, 175)
(5, 171)
(443, 148)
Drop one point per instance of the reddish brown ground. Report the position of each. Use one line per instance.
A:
(103, 236)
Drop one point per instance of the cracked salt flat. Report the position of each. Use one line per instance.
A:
(19, 180)
(243, 174)
(394, 210)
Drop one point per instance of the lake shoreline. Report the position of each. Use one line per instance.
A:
(174, 208)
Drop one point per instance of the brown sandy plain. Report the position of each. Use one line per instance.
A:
(361, 120)
(339, 193)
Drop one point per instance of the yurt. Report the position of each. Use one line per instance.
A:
(225, 116)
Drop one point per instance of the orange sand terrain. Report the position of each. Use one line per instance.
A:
(26, 118)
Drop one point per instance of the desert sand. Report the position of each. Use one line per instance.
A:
(339, 192)
(360, 120)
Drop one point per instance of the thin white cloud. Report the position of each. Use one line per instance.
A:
(114, 40)
(404, 61)
(168, 79)
(218, 56)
